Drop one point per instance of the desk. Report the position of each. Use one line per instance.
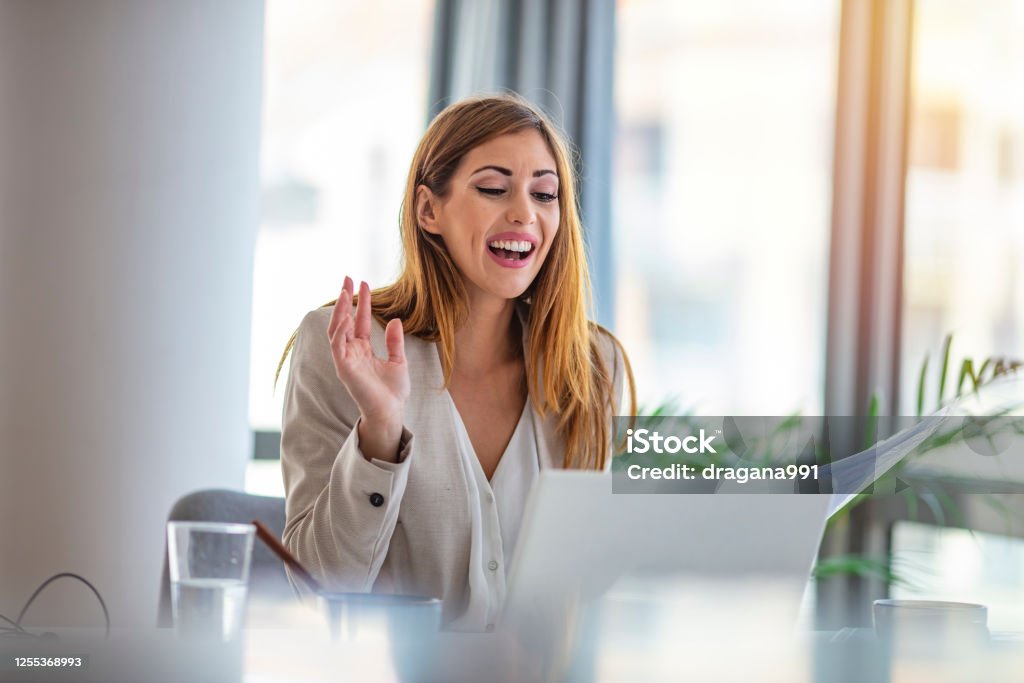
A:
(303, 656)
(628, 641)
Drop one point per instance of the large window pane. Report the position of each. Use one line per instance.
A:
(964, 268)
(722, 200)
(344, 106)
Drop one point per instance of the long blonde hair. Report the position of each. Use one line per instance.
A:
(430, 298)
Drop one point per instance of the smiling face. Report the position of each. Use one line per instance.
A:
(500, 214)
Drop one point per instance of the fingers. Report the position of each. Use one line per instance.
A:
(335, 316)
(342, 332)
(362, 330)
(339, 348)
(341, 309)
(342, 327)
(394, 340)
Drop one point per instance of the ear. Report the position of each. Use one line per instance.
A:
(427, 205)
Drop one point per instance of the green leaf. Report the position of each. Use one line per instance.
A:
(920, 386)
(966, 370)
(911, 498)
(945, 367)
(981, 373)
(871, 424)
(950, 506)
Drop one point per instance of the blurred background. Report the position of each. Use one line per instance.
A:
(789, 206)
(722, 167)
(722, 152)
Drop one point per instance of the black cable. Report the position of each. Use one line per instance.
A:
(19, 631)
(16, 625)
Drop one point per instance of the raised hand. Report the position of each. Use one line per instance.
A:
(379, 386)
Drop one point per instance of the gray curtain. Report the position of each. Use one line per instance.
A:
(557, 54)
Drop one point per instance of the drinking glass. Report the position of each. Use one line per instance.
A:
(209, 566)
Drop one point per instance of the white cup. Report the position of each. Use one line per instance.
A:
(932, 621)
(348, 614)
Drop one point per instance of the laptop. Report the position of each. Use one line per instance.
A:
(581, 546)
(579, 540)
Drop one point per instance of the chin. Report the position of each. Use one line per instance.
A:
(509, 292)
(502, 286)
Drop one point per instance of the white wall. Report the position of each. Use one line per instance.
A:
(129, 138)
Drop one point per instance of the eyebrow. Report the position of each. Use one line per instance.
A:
(504, 171)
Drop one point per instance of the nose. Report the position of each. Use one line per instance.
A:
(521, 210)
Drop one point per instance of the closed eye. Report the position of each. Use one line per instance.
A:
(545, 197)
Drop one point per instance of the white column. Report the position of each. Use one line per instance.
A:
(129, 136)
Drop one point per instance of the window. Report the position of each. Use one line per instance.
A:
(722, 200)
(961, 565)
(344, 107)
(965, 186)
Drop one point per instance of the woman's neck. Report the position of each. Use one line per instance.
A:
(489, 339)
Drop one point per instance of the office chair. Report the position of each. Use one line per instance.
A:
(267, 578)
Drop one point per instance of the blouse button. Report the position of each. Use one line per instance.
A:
(376, 500)
(493, 565)
(490, 497)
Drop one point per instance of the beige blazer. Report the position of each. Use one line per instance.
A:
(362, 526)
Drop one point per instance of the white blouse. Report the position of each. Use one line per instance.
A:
(411, 526)
(496, 516)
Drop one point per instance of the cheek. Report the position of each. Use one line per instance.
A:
(473, 223)
(459, 231)
(551, 225)
(550, 235)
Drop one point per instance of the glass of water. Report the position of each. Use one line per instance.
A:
(209, 566)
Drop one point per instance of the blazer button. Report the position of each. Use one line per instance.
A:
(376, 500)
(492, 565)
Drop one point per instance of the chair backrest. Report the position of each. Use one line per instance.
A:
(267, 577)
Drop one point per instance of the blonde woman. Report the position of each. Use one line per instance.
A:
(416, 416)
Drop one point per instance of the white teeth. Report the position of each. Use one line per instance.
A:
(511, 245)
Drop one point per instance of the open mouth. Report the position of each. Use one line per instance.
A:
(511, 250)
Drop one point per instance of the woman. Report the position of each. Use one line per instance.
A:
(414, 425)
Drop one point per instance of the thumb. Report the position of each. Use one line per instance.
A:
(394, 340)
